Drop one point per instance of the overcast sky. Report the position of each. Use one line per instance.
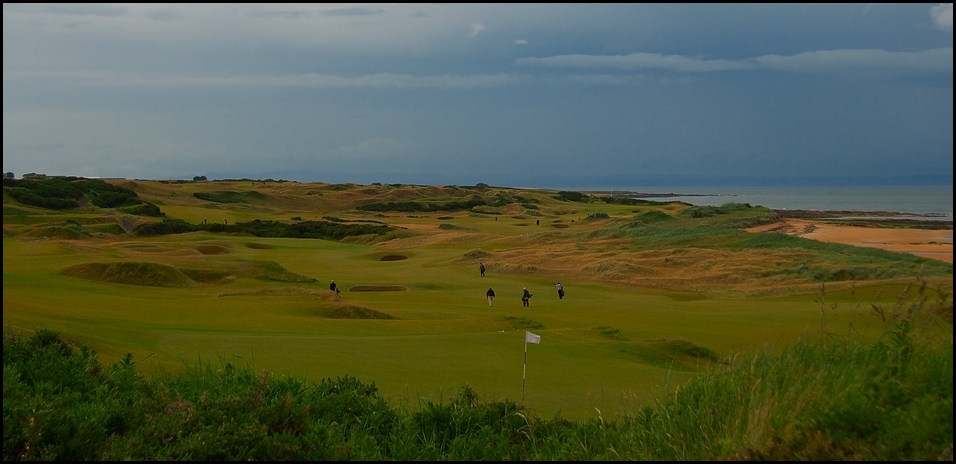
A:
(518, 95)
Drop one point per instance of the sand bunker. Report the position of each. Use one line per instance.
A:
(393, 258)
(212, 249)
(935, 244)
(560, 226)
(131, 273)
(445, 218)
(378, 288)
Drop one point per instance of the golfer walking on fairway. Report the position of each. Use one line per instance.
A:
(525, 296)
(491, 297)
(560, 291)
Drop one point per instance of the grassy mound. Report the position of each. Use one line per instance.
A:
(66, 232)
(131, 273)
(352, 312)
(475, 254)
(652, 217)
(677, 354)
(520, 323)
(271, 270)
(378, 288)
(454, 227)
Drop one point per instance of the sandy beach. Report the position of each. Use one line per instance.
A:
(935, 244)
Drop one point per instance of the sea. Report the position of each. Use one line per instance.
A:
(931, 203)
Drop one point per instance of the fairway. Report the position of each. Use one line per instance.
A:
(642, 313)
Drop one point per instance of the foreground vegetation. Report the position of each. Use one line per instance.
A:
(889, 400)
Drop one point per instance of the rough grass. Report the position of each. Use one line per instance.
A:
(131, 273)
(475, 254)
(378, 288)
(351, 312)
(271, 291)
(679, 354)
(521, 323)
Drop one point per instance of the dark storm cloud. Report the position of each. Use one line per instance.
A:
(526, 94)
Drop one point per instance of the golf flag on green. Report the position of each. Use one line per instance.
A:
(528, 338)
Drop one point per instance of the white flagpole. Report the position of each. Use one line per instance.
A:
(525, 369)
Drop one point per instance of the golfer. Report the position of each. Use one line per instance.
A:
(491, 297)
(525, 297)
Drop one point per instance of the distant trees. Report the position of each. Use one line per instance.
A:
(199, 178)
(9, 175)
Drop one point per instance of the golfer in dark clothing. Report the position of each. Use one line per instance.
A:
(333, 287)
(491, 297)
(525, 296)
(560, 291)
(481, 269)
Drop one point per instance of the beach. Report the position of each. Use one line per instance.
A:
(934, 244)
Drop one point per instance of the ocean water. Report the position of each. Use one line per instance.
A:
(936, 201)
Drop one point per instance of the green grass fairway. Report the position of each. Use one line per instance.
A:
(647, 294)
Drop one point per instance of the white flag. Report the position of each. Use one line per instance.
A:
(531, 338)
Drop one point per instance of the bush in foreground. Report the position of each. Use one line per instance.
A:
(888, 400)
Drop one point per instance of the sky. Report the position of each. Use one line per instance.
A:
(552, 96)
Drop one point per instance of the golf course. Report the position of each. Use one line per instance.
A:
(177, 275)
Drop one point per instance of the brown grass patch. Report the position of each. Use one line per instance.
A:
(212, 249)
(378, 288)
(560, 226)
(257, 246)
(393, 258)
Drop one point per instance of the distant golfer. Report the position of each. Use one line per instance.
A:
(526, 297)
(481, 269)
(491, 297)
(335, 288)
(560, 291)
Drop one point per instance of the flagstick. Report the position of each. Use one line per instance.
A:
(525, 369)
